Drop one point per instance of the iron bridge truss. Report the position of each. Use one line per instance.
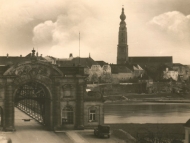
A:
(30, 98)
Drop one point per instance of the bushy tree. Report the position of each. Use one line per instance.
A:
(94, 78)
(106, 78)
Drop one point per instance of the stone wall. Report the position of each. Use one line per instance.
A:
(119, 89)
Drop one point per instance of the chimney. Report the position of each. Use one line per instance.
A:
(20, 55)
(33, 52)
(70, 55)
(7, 55)
(41, 55)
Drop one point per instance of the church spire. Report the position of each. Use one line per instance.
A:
(122, 48)
(122, 16)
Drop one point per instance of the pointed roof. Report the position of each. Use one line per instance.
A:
(135, 68)
(139, 67)
(101, 63)
(187, 124)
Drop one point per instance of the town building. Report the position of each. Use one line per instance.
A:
(170, 74)
(183, 71)
(121, 73)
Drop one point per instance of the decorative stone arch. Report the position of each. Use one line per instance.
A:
(22, 73)
(53, 80)
(30, 66)
(16, 86)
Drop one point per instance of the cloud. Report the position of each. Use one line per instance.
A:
(18, 18)
(65, 28)
(174, 23)
(53, 27)
(63, 34)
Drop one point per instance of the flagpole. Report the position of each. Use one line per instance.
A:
(79, 48)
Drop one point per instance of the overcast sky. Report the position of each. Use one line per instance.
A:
(154, 27)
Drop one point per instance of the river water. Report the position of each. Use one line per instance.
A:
(146, 112)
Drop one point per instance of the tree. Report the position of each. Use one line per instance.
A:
(159, 135)
(94, 78)
(106, 78)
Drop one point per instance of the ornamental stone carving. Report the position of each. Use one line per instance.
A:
(33, 70)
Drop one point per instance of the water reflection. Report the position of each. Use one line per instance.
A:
(146, 112)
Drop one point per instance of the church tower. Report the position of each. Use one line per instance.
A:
(122, 47)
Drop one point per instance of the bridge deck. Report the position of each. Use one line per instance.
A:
(33, 132)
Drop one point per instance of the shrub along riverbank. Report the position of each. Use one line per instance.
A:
(161, 131)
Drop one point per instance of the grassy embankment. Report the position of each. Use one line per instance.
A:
(174, 131)
(123, 93)
(149, 97)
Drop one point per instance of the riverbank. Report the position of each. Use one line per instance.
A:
(146, 100)
(173, 131)
(157, 97)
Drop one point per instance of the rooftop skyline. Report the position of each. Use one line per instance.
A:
(154, 28)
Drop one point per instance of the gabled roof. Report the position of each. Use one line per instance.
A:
(115, 69)
(187, 124)
(149, 60)
(4, 60)
(101, 63)
(133, 67)
(9, 60)
(177, 64)
(86, 62)
(139, 67)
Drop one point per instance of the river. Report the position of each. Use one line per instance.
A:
(146, 112)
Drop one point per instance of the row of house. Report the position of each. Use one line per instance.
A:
(100, 71)
(177, 72)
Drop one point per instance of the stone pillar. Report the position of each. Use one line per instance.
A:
(9, 109)
(101, 118)
(186, 135)
(51, 115)
(56, 110)
(80, 107)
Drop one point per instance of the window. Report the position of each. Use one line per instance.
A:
(92, 115)
(67, 115)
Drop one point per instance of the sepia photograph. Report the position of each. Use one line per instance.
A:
(93, 71)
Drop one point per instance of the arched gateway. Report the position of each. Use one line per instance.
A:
(53, 95)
